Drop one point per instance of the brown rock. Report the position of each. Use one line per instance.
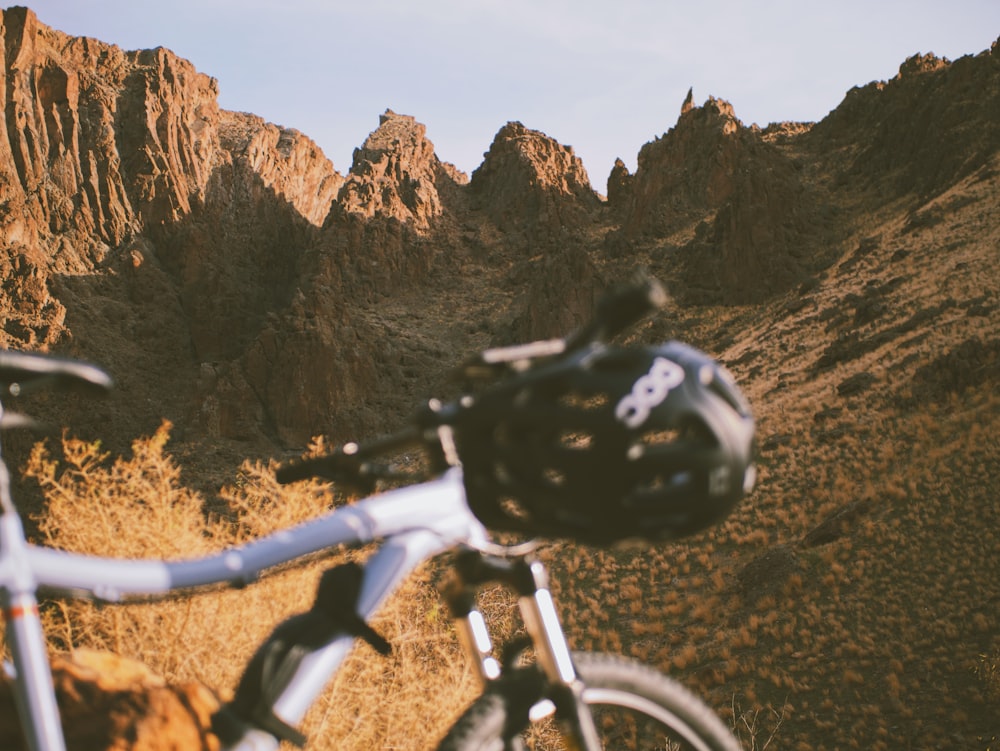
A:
(688, 103)
(619, 185)
(395, 174)
(732, 198)
(528, 181)
(932, 124)
(111, 703)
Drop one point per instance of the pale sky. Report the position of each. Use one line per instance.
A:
(604, 76)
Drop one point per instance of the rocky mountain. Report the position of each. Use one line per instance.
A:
(155, 233)
(236, 284)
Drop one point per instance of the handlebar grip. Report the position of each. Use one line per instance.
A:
(350, 463)
(30, 369)
(292, 472)
(304, 469)
(344, 469)
(620, 308)
(629, 304)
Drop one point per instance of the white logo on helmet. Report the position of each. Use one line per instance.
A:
(649, 391)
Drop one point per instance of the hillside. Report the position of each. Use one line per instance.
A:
(847, 271)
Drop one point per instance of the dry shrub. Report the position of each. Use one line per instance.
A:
(988, 670)
(136, 508)
(757, 726)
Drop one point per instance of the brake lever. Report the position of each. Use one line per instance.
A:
(349, 465)
(620, 308)
(341, 467)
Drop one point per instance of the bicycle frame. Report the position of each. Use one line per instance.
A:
(415, 523)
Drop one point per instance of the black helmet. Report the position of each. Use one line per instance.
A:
(609, 444)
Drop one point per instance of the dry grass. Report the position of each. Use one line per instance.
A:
(877, 635)
(988, 671)
(136, 507)
(855, 592)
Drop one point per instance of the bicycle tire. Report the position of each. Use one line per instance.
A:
(666, 713)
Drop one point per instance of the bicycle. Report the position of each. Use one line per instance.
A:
(479, 476)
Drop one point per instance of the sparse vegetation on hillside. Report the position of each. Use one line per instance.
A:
(801, 604)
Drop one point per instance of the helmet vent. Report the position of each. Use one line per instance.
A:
(586, 402)
(514, 509)
(661, 437)
(659, 483)
(575, 439)
(555, 477)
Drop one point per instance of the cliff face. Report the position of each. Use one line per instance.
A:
(396, 173)
(932, 124)
(529, 182)
(98, 142)
(126, 189)
(101, 147)
(237, 283)
(723, 190)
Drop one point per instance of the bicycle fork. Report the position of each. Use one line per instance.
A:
(562, 687)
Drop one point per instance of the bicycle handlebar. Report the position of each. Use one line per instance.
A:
(348, 464)
(22, 372)
(330, 466)
(619, 309)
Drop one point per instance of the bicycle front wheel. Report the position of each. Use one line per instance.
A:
(634, 707)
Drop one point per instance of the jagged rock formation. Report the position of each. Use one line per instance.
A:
(721, 189)
(529, 182)
(935, 122)
(619, 185)
(395, 174)
(159, 235)
(125, 184)
(288, 165)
